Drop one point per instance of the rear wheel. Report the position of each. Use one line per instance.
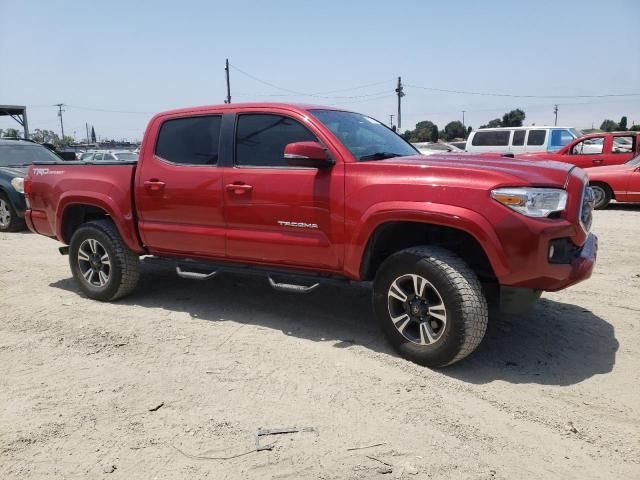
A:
(9, 219)
(602, 195)
(430, 305)
(101, 263)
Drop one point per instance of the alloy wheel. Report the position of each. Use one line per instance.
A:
(5, 214)
(94, 263)
(416, 309)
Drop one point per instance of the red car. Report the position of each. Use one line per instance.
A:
(306, 195)
(594, 150)
(617, 182)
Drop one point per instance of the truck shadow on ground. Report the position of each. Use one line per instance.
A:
(554, 344)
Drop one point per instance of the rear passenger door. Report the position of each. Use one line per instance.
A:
(277, 214)
(178, 189)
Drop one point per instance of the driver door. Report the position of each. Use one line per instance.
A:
(277, 214)
(587, 153)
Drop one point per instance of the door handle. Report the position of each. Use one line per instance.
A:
(597, 161)
(239, 188)
(154, 185)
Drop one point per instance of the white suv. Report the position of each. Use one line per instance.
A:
(520, 139)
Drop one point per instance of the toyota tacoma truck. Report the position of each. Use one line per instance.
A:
(306, 195)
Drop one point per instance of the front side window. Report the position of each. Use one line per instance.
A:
(491, 138)
(622, 144)
(126, 156)
(518, 138)
(536, 137)
(98, 157)
(85, 157)
(261, 138)
(366, 138)
(590, 146)
(190, 140)
(560, 138)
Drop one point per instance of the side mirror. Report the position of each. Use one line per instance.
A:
(307, 154)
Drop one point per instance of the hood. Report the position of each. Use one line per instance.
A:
(14, 171)
(501, 169)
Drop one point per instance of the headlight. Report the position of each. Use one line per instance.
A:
(531, 201)
(18, 184)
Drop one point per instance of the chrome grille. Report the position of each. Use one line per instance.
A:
(586, 210)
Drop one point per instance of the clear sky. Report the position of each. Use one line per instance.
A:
(148, 56)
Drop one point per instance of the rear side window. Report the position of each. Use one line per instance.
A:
(190, 141)
(622, 144)
(261, 138)
(518, 138)
(536, 137)
(497, 138)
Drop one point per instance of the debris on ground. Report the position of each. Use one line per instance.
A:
(157, 407)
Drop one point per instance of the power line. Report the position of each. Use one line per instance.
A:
(486, 94)
(304, 94)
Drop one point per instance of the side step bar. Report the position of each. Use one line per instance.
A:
(195, 275)
(291, 287)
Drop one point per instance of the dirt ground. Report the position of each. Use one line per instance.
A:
(551, 394)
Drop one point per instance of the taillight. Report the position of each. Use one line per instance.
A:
(27, 186)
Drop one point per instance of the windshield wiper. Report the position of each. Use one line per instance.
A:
(380, 156)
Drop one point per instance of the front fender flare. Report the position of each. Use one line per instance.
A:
(459, 218)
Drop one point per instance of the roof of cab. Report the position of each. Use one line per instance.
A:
(248, 106)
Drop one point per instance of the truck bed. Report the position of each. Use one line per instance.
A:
(58, 185)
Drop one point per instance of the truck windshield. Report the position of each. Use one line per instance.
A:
(366, 138)
(21, 155)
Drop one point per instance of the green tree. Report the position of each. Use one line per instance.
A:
(469, 130)
(635, 128)
(496, 122)
(44, 136)
(454, 129)
(608, 126)
(622, 126)
(11, 132)
(434, 133)
(514, 118)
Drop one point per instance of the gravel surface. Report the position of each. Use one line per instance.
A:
(181, 370)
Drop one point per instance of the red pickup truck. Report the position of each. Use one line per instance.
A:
(593, 150)
(307, 195)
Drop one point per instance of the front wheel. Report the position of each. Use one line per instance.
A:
(9, 220)
(602, 195)
(430, 305)
(101, 263)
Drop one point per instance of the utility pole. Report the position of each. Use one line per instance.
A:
(391, 120)
(60, 110)
(86, 126)
(400, 95)
(555, 112)
(463, 118)
(226, 70)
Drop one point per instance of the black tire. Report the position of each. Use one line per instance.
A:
(603, 195)
(15, 223)
(123, 263)
(458, 290)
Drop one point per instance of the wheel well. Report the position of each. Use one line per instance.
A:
(75, 215)
(392, 237)
(605, 185)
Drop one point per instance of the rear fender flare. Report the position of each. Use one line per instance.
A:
(123, 221)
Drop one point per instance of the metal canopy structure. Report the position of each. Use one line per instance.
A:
(18, 113)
